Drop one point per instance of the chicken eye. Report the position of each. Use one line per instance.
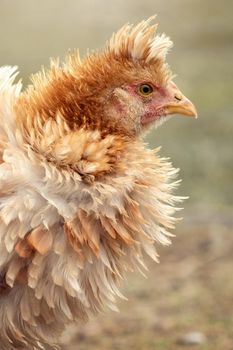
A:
(146, 89)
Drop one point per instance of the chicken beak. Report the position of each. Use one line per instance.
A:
(181, 105)
(184, 107)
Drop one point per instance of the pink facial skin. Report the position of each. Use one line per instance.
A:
(155, 104)
(135, 109)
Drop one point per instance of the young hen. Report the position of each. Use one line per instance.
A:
(81, 196)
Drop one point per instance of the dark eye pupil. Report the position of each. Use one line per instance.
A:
(146, 89)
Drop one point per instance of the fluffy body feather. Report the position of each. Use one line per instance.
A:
(81, 197)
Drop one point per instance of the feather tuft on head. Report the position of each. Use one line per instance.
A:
(140, 43)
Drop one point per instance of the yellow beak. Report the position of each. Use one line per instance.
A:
(181, 105)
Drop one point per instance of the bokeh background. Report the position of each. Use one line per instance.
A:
(192, 289)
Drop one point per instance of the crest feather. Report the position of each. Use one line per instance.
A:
(140, 43)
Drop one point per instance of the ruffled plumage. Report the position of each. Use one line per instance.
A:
(79, 205)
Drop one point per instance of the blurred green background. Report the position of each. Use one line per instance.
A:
(32, 31)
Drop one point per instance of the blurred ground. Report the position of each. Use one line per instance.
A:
(192, 288)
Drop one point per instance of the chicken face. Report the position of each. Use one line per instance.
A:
(139, 105)
(161, 101)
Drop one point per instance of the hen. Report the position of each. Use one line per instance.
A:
(81, 196)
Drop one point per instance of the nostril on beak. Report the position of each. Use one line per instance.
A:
(178, 97)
